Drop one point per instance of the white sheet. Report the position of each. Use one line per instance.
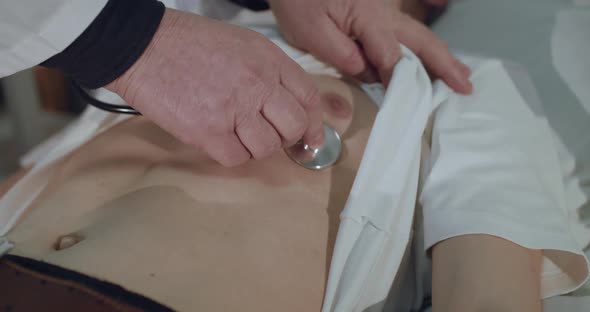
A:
(495, 170)
(550, 39)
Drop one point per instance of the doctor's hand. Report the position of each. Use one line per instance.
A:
(361, 38)
(226, 90)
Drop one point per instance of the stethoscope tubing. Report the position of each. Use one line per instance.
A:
(113, 108)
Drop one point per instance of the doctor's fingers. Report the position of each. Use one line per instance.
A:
(287, 116)
(375, 30)
(331, 44)
(434, 53)
(258, 135)
(227, 149)
(298, 85)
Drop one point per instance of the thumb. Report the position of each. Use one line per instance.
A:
(330, 44)
(435, 54)
(380, 45)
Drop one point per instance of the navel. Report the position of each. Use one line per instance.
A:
(67, 241)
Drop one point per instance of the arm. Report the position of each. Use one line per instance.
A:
(50, 27)
(477, 273)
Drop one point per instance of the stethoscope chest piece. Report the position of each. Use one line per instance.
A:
(317, 158)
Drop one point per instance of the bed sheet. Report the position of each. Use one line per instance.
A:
(548, 43)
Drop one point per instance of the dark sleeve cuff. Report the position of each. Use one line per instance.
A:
(255, 5)
(111, 44)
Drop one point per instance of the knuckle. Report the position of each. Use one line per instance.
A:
(350, 58)
(215, 124)
(384, 55)
(231, 159)
(268, 147)
(298, 131)
(268, 89)
(403, 19)
(441, 70)
(244, 120)
(386, 60)
(264, 96)
(274, 146)
(229, 155)
(259, 92)
(311, 98)
(256, 76)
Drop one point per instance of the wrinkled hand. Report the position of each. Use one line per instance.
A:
(223, 89)
(330, 29)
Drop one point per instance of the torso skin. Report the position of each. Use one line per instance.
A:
(161, 219)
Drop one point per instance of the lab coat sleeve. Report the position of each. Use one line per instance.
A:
(32, 31)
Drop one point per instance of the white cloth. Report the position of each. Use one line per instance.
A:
(479, 178)
(32, 31)
(551, 41)
(376, 223)
(495, 170)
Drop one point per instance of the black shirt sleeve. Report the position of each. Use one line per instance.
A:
(255, 5)
(111, 44)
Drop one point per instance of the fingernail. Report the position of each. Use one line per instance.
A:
(462, 81)
(465, 69)
(287, 144)
(317, 141)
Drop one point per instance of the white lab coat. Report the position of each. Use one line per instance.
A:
(32, 31)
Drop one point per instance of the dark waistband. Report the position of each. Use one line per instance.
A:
(31, 285)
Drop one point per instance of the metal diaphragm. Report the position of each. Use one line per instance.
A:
(317, 158)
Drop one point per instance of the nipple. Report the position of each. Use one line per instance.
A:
(317, 158)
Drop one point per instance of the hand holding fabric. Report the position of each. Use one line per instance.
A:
(361, 38)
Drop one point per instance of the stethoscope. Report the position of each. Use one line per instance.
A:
(301, 153)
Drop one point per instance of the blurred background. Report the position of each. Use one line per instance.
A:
(34, 104)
